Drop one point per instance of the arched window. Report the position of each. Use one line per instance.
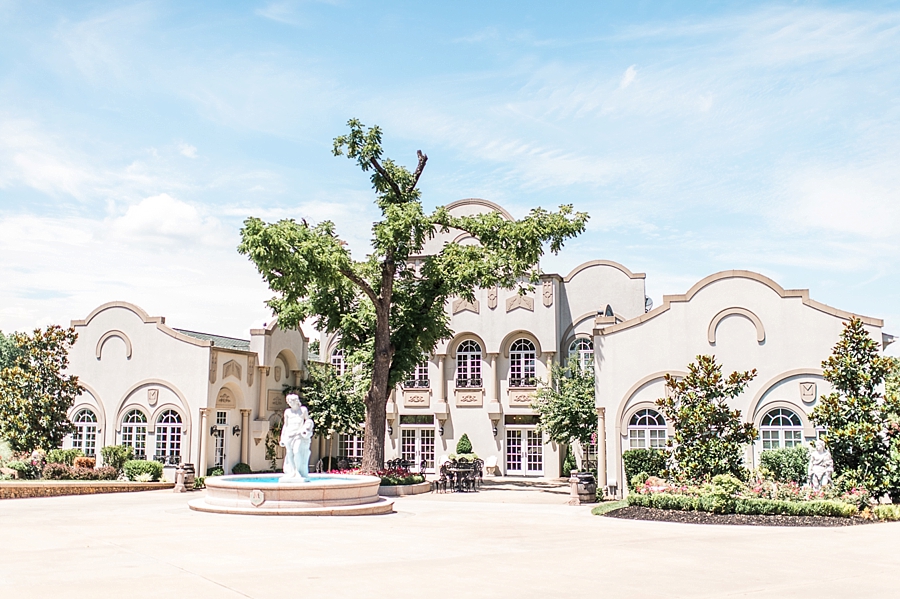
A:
(647, 430)
(521, 364)
(419, 377)
(781, 428)
(337, 360)
(168, 437)
(85, 435)
(134, 433)
(468, 364)
(583, 351)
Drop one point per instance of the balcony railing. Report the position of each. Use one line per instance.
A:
(523, 382)
(417, 384)
(470, 382)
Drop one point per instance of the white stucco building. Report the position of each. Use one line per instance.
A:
(210, 400)
(179, 395)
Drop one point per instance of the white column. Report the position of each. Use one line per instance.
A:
(204, 442)
(245, 436)
(601, 448)
(494, 384)
(261, 407)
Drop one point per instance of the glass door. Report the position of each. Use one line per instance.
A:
(524, 451)
(416, 446)
(514, 451)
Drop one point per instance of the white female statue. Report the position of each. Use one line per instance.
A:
(821, 466)
(296, 436)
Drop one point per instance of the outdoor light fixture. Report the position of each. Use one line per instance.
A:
(212, 430)
(441, 430)
(235, 430)
(495, 430)
(390, 430)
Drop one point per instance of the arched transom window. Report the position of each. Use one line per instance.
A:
(781, 428)
(647, 430)
(521, 364)
(168, 437)
(582, 350)
(85, 435)
(337, 360)
(134, 433)
(468, 364)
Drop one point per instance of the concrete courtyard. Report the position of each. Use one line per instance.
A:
(510, 540)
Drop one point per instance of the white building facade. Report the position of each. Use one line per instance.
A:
(176, 395)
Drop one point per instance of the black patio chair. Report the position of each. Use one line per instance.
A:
(441, 483)
(479, 472)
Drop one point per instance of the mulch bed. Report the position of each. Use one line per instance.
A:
(657, 515)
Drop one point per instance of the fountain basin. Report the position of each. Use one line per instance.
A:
(265, 495)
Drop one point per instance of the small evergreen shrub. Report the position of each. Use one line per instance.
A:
(241, 468)
(134, 468)
(464, 445)
(638, 480)
(651, 461)
(84, 462)
(116, 455)
(215, 471)
(785, 465)
(106, 473)
(199, 482)
(63, 456)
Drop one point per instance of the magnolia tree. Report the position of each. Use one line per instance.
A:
(709, 436)
(35, 394)
(861, 423)
(390, 314)
(566, 406)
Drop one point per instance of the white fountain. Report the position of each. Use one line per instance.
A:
(296, 493)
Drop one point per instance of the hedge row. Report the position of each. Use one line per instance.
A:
(64, 472)
(136, 468)
(750, 507)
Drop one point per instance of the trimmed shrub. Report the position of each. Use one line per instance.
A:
(241, 468)
(116, 455)
(410, 479)
(464, 445)
(890, 513)
(106, 473)
(650, 461)
(638, 480)
(785, 465)
(134, 468)
(56, 471)
(215, 471)
(199, 482)
(84, 462)
(750, 507)
(63, 456)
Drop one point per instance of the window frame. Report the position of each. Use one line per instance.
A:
(522, 364)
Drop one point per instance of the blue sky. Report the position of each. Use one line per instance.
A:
(136, 137)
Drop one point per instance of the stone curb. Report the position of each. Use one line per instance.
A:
(56, 488)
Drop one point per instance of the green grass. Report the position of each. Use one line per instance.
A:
(608, 506)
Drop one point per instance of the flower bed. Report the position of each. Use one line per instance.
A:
(728, 495)
(389, 477)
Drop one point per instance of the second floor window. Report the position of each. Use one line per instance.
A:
(419, 377)
(468, 364)
(582, 350)
(521, 364)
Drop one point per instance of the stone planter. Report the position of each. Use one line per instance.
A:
(401, 490)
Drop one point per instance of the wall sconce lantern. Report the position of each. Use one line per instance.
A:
(495, 429)
(390, 430)
(441, 429)
(212, 430)
(235, 430)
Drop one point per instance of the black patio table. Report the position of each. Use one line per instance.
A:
(459, 475)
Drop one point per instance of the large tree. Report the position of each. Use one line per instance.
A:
(567, 407)
(35, 392)
(389, 312)
(709, 435)
(860, 423)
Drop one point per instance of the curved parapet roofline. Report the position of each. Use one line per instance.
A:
(159, 321)
(480, 202)
(802, 294)
(610, 263)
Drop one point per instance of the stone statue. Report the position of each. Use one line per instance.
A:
(296, 436)
(821, 466)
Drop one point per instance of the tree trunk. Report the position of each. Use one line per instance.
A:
(376, 398)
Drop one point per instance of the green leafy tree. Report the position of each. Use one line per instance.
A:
(566, 406)
(860, 422)
(8, 350)
(389, 311)
(335, 401)
(35, 394)
(709, 436)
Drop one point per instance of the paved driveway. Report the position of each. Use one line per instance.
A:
(512, 540)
